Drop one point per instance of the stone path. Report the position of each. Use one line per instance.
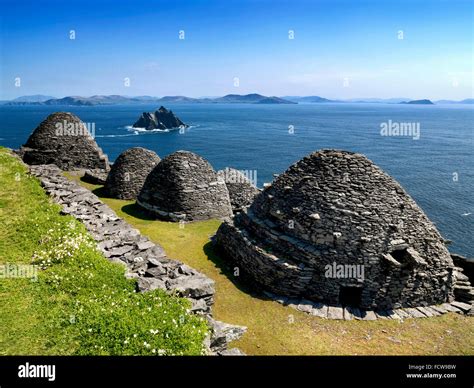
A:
(144, 260)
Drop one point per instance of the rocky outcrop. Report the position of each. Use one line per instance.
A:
(129, 172)
(160, 119)
(335, 229)
(241, 190)
(144, 260)
(184, 186)
(64, 140)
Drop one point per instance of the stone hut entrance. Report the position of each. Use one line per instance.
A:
(350, 296)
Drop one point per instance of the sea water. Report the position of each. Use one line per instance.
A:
(428, 149)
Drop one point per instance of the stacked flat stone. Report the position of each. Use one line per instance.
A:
(184, 186)
(144, 260)
(96, 176)
(338, 208)
(64, 140)
(129, 172)
(241, 191)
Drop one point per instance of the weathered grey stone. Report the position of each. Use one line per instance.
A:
(129, 172)
(192, 286)
(368, 315)
(64, 140)
(425, 311)
(232, 352)
(402, 314)
(305, 306)
(241, 190)
(392, 314)
(347, 314)
(223, 333)
(414, 313)
(335, 312)
(184, 186)
(95, 176)
(450, 308)
(434, 312)
(464, 307)
(320, 310)
(440, 309)
(149, 284)
(364, 218)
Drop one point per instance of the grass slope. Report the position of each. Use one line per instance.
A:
(80, 302)
(276, 329)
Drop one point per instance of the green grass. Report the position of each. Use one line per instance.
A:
(277, 329)
(80, 303)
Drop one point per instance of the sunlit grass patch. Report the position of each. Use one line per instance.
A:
(80, 302)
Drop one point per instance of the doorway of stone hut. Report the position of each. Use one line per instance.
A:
(350, 296)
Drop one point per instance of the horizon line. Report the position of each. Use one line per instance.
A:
(236, 94)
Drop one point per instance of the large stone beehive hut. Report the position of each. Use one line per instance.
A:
(331, 218)
(184, 186)
(241, 190)
(129, 172)
(64, 140)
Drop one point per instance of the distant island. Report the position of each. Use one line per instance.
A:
(309, 99)
(160, 119)
(253, 98)
(117, 99)
(418, 102)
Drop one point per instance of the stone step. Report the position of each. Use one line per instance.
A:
(414, 313)
(440, 309)
(450, 308)
(425, 311)
(402, 313)
(321, 312)
(335, 312)
(464, 307)
(434, 312)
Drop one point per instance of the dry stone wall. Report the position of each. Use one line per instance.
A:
(335, 209)
(129, 172)
(241, 191)
(184, 186)
(64, 140)
(144, 260)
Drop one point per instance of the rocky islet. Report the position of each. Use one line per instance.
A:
(161, 119)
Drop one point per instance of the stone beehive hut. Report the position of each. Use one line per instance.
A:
(335, 228)
(184, 186)
(241, 190)
(64, 140)
(128, 173)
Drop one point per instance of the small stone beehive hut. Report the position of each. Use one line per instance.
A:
(335, 228)
(64, 140)
(184, 186)
(129, 172)
(241, 190)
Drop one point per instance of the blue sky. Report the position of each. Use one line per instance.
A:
(341, 49)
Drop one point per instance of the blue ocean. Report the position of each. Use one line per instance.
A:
(436, 167)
